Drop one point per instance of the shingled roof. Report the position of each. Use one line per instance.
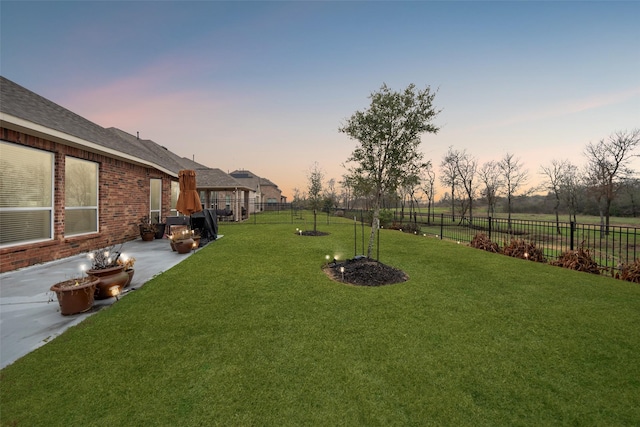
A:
(24, 104)
(265, 181)
(24, 110)
(248, 178)
(149, 150)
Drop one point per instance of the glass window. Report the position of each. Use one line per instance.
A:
(175, 192)
(155, 201)
(80, 197)
(26, 194)
(213, 203)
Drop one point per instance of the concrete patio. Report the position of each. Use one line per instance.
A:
(29, 313)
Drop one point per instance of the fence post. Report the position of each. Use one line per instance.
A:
(378, 245)
(355, 237)
(489, 218)
(441, 225)
(572, 225)
(362, 226)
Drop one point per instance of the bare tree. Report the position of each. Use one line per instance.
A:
(514, 177)
(409, 185)
(361, 191)
(467, 166)
(428, 179)
(554, 176)
(449, 175)
(297, 196)
(489, 175)
(571, 189)
(608, 166)
(315, 177)
(631, 186)
(330, 194)
(347, 191)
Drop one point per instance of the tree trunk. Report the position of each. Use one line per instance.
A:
(509, 214)
(453, 203)
(315, 220)
(608, 213)
(375, 224)
(555, 209)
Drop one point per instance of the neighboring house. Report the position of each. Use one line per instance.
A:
(220, 191)
(263, 192)
(252, 181)
(68, 185)
(271, 194)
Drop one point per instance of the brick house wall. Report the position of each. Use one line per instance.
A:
(123, 195)
(271, 193)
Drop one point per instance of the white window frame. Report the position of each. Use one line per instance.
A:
(50, 208)
(175, 190)
(96, 206)
(159, 209)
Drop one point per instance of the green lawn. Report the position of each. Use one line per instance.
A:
(249, 331)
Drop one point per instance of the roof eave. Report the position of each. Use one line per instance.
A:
(25, 126)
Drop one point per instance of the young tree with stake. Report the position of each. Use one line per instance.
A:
(315, 177)
(388, 133)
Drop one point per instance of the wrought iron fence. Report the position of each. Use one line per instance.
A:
(609, 248)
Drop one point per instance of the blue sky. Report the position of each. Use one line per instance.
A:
(265, 86)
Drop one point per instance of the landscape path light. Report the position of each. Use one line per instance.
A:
(342, 271)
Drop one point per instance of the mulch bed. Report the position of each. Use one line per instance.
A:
(312, 233)
(365, 272)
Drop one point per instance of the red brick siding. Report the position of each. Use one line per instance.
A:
(270, 192)
(123, 199)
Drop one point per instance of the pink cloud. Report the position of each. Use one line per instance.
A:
(567, 107)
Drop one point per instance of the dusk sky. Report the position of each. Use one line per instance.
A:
(264, 86)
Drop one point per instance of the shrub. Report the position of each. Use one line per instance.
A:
(579, 260)
(630, 272)
(525, 250)
(482, 241)
(386, 217)
(410, 227)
